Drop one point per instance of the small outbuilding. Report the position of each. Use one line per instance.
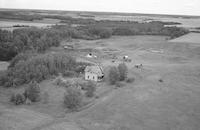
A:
(89, 55)
(68, 47)
(94, 73)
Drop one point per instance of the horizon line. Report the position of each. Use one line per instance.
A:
(111, 12)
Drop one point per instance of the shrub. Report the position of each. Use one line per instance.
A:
(22, 57)
(3, 77)
(32, 92)
(69, 73)
(130, 80)
(17, 99)
(123, 31)
(90, 89)
(101, 32)
(105, 33)
(161, 80)
(7, 51)
(59, 81)
(72, 99)
(119, 84)
(113, 75)
(123, 71)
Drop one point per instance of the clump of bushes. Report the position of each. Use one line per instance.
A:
(3, 78)
(97, 31)
(32, 92)
(161, 80)
(17, 99)
(22, 57)
(118, 74)
(90, 88)
(59, 81)
(37, 68)
(130, 80)
(123, 71)
(119, 84)
(69, 73)
(113, 75)
(73, 99)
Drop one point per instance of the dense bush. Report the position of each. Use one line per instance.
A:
(35, 39)
(20, 40)
(101, 32)
(7, 51)
(72, 99)
(22, 57)
(17, 99)
(174, 32)
(119, 84)
(90, 89)
(37, 68)
(60, 81)
(69, 73)
(123, 71)
(113, 75)
(130, 80)
(32, 92)
(3, 77)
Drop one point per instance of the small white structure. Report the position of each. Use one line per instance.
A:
(89, 55)
(68, 47)
(126, 59)
(94, 73)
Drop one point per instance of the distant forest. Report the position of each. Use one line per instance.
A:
(37, 39)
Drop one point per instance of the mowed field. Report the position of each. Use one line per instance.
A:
(145, 104)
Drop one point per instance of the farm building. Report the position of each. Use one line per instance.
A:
(94, 73)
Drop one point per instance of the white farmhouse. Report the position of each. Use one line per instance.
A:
(94, 73)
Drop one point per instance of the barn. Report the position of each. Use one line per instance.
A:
(94, 73)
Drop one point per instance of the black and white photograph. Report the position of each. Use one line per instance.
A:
(99, 64)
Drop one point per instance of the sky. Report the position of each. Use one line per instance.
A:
(182, 7)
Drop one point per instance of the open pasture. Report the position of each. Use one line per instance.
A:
(189, 38)
(164, 95)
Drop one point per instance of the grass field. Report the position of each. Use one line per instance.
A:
(145, 104)
(189, 38)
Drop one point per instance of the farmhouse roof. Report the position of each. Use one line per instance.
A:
(94, 69)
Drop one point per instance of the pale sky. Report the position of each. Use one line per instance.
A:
(184, 7)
